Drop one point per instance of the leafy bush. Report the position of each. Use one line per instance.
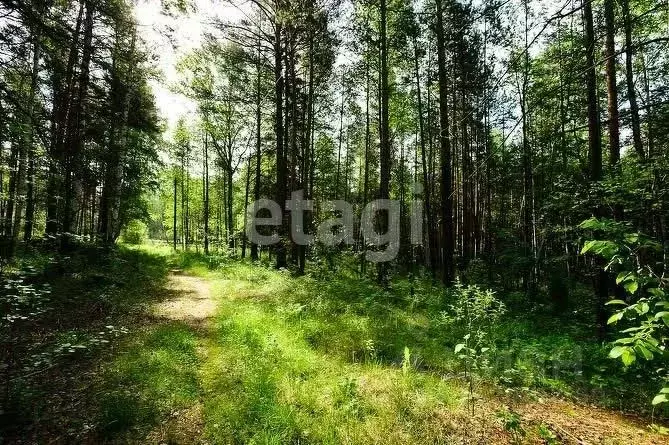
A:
(646, 308)
(134, 233)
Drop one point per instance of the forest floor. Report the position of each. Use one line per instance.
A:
(242, 398)
(244, 354)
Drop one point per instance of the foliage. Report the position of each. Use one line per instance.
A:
(474, 312)
(134, 233)
(645, 310)
(22, 300)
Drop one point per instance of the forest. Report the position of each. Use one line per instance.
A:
(334, 221)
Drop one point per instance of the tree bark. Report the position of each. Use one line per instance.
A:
(601, 278)
(206, 194)
(445, 152)
(629, 76)
(256, 190)
(385, 152)
(174, 219)
(611, 84)
(281, 179)
(30, 192)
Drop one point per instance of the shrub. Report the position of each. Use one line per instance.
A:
(134, 233)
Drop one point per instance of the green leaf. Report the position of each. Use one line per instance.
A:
(592, 223)
(616, 302)
(616, 352)
(588, 246)
(459, 347)
(631, 287)
(615, 318)
(660, 398)
(645, 353)
(644, 308)
(625, 341)
(632, 238)
(628, 356)
(658, 293)
(622, 277)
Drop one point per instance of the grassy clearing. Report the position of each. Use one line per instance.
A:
(288, 390)
(331, 358)
(324, 358)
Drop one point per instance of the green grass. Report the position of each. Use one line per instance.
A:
(324, 358)
(156, 374)
(288, 390)
(284, 361)
(321, 359)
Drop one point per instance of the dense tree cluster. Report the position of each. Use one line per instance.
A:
(78, 125)
(520, 121)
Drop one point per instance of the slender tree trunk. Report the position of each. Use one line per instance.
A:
(385, 152)
(246, 205)
(595, 149)
(206, 193)
(231, 220)
(281, 183)
(431, 245)
(74, 126)
(256, 190)
(528, 196)
(629, 76)
(611, 84)
(307, 148)
(594, 127)
(174, 220)
(368, 137)
(63, 91)
(445, 152)
(341, 138)
(3, 122)
(11, 196)
(650, 117)
(30, 193)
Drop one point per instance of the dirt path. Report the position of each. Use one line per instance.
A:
(576, 424)
(192, 303)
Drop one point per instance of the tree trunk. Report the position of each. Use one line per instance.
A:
(341, 138)
(231, 228)
(445, 152)
(601, 278)
(256, 190)
(30, 192)
(629, 76)
(246, 205)
(430, 251)
(385, 152)
(63, 91)
(206, 194)
(281, 178)
(174, 219)
(611, 84)
(74, 126)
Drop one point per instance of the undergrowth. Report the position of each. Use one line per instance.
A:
(328, 357)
